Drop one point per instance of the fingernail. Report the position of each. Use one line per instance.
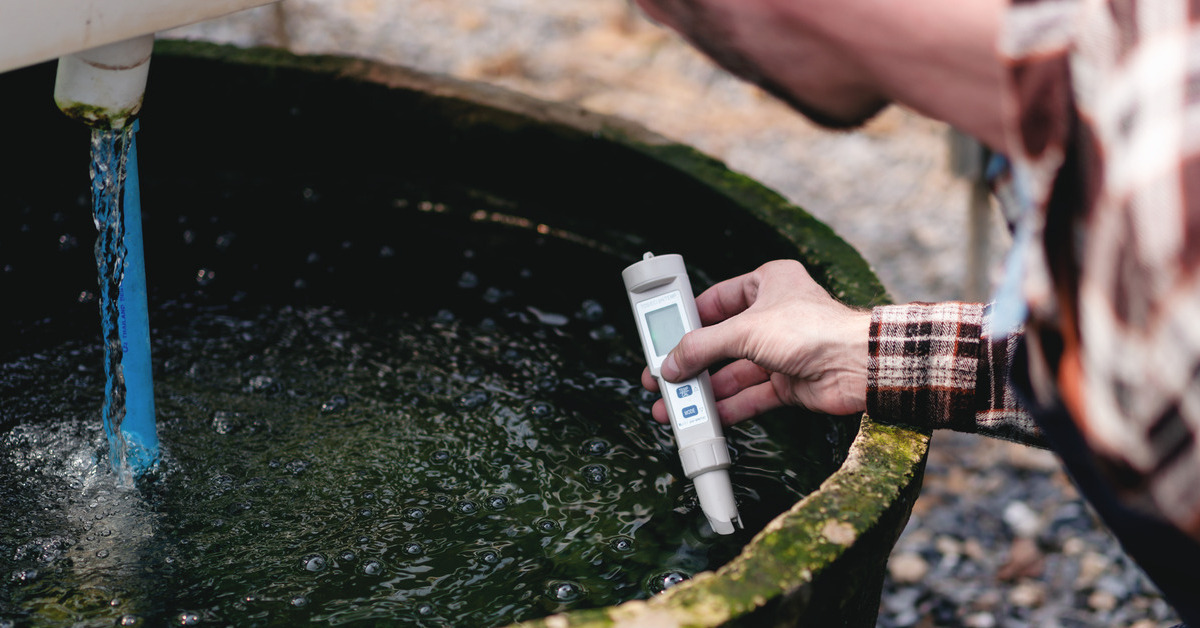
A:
(669, 368)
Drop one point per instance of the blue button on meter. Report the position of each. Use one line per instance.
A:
(690, 412)
(684, 391)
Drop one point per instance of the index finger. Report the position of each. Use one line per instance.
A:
(727, 299)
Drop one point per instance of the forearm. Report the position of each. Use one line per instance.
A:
(931, 365)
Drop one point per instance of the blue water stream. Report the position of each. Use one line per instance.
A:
(128, 410)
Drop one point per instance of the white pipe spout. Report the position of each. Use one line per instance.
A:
(103, 87)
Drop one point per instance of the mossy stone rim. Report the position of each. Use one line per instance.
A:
(819, 563)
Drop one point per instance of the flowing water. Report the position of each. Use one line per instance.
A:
(443, 429)
(110, 152)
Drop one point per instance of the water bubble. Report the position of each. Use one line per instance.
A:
(622, 544)
(205, 276)
(490, 557)
(466, 507)
(540, 409)
(444, 316)
(189, 619)
(313, 562)
(664, 581)
(439, 456)
(494, 295)
(497, 502)
(299, 601)
(565, 591)
(547, 525)
(335, 403)
(547, 383)
(596, 447)
(595, 474)
(347, 556)
(468, 280)
(365, 512)
(260, 383)
(127, 620)
(372, 568)
(414, 514)
(225, 423)
(22, 576)
(413, 548)
(368, 495)
(603, 332)
(591, 311)
(472, 399)
(102, 553)
(425, 609)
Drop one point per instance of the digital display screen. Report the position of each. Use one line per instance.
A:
(666, 328)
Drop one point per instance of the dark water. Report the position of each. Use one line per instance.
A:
(476, 453)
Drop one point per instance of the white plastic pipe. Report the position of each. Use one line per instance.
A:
(103, 87)
(33, 31)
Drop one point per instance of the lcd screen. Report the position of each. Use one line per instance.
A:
(666, 328)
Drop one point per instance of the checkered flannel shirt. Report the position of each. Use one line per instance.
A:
(1105, 148)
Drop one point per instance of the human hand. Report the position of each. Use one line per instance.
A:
(791, 342)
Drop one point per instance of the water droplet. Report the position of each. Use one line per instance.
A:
(497, 502)
(414, 514)
(299, 601)
(313, 562)
(372, 568)
(466, 507)
(347, 556)
(425, 609)
(547, 525)
(413, 549)
(490, 557)
(596, 447)
(565, 591)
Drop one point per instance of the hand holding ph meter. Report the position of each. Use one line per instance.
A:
(665, 309)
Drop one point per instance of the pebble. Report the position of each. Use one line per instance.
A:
(907, 568)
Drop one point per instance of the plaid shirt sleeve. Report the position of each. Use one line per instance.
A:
(932, 365)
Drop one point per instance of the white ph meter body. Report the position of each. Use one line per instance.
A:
(665, 309)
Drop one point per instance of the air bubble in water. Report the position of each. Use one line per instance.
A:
(466, 507)
(372, 568)
(664, 581)
(596, 447)
(335, 403)
(565, 591)
(313, 562)
(622, 544)
(299, 601)
(414, 514)
(595, 474)
(472, 399)
(468, 280)
(413, 549)
(439, 456)
(497, 502)
(547, 525)
(189, 619)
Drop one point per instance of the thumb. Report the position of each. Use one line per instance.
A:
(699, 349)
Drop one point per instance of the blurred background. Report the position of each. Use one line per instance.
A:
(998, 537)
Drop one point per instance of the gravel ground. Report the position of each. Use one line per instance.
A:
(999, 537)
